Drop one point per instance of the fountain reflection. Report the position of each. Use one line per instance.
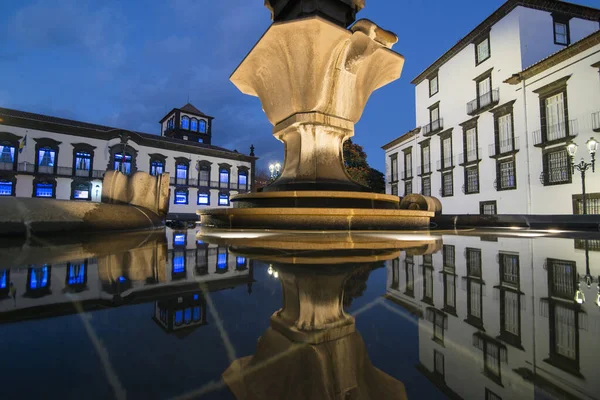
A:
(508, 310)
(312, 349)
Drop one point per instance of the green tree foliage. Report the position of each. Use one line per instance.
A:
(355, 161)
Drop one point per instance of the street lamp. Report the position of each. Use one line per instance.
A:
(588, 279)
(592, 146)
(274, 169)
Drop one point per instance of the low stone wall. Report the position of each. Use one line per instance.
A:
(562, 221)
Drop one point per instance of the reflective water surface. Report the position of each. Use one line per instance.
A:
(250, 315)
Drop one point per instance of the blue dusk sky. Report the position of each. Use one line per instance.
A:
(127, 63)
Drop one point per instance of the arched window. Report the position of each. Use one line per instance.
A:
(202, 125)
(194, 125)
(224, 177)
(7, 154)
(119, 165)
(185, 122)
(46, 160)
(157, 167)
(242, 180)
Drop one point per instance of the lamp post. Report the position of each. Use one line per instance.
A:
(592, 146)
(588, 279)
(274, 169)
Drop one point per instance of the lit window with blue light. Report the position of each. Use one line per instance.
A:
(81, 191)
(179, 239)
(181, 196)
(6, 188)
(3, 279)
(178, 317)
(46, 157)
(178, 262)
(7, 154)
(76, 274)
(38, 278)
(185, 122)
(156, 167)
(196, 296)
(202, 126)
(83, 163)
(223, 199)
(240, 262)
(224, 175)
(122, 279)
(242, 179)
(44, 190)
(196, 314)
(120, 166)
(222, 260)
(181, 171)
(200, 140)
(203, 199)
(187, 315)
(194, 125)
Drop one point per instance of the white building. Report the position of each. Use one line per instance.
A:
(66, 159)
(496, 111)
(498, 316)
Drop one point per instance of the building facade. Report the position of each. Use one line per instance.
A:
(48, 157)
(504, 317)
(495, 114)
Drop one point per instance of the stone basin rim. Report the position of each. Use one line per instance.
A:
(317, 194)
(334, 212)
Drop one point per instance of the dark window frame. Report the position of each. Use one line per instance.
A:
(83, 148)
(499, 162)
(118, 149)
(482, 204)
(225, 167)
(38, 180)
(443, 188)
(41, 143)
(12, 178)
(156, 157)
(11, 140)
(394, 176)
(436, 77)
(546, 167)
(181, 190)
(477, 42)
(564, 20)
(75, 183)
(545, 92)
(409, 264)
(204, 165)
(206, 192)
(466, 178)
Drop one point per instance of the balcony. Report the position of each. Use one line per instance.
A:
(433, 127)
(596, 121)
(445, 163)
(392, 178)
(504, 147)
(556, 133)
(470, 156)
(424, 169)
(7, 166)
(67, 172)
(483, 102)
(407, 174)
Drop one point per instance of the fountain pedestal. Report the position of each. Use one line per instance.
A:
(313, 78)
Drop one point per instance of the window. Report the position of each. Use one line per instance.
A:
(76, 274)
(395, 273)
(556, 128)
(428, 284)
(181, 174)
(221, 260)
(440, 323)
(39, 278)
(408, 164)
(6, 188)
(470, 139)
(505, 134)
(410, 276)
(240, 262)
(157, 167)
(472, 180)
(489, 395)
(46, 160)
(394, 190)
(565, 332)
(81, 191)
(181, 196)
(450, 293)
(487, 207)
(509, 269)
(561, 278)
(425, 159)
(592, 203)
(4, 279)
(491, 360)
(7, 156)
(474, 302)
(434, 115)
(83, 163)
(179, 239)
(178, 264)
(44, 190)
(482, 50)
(194, 125)
(171, 123)
(202, 125)
(204, 177)
(119, 165)
(203, 199)
(178, 317)
(473, 263)
(407, 188)
(433, 85)
(394, 166)
(557, 168)
(448, 253)
(185, 122)
(223, 199)
(446, 152)
(447, 185)
(510, 317)
(561, 30)
(200, 140)
(438, 363)
(242, 180)
(507, 174)
(224, 177)
(426, 186)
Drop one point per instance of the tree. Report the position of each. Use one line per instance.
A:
(355, 161)
(262, 178)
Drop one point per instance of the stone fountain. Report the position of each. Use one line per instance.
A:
(314, 77)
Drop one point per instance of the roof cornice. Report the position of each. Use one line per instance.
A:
(402, 138)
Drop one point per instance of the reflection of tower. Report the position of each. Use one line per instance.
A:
(180, 314)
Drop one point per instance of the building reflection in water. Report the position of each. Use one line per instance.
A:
(511, 310)
(173, 271)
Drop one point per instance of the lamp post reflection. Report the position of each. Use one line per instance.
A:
(592, 146)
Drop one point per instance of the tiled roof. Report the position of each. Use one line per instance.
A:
(54, 120)
(191, 109)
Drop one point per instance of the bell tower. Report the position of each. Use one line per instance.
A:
(187, 123)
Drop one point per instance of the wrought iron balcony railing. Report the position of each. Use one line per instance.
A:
(424, 169)
(562, 131)
(433, 127)
(555, 175)
(504, 147)
(446, 162)
(469, 156)
(7, 166)
(487, 99)
(407, 174)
